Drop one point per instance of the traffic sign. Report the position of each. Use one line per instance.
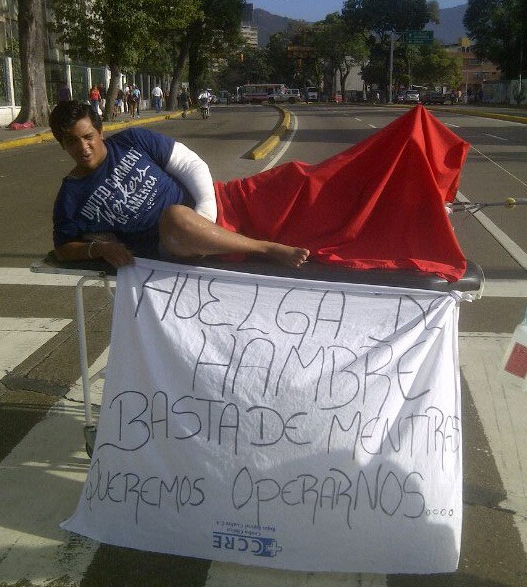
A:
(420, 37)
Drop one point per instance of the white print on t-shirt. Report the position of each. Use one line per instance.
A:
(128, 193)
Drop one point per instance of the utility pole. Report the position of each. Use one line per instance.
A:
(392, 43)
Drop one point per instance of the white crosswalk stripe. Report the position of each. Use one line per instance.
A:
(510, 288)
(21, 337)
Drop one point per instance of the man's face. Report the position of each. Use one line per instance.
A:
(84, 143)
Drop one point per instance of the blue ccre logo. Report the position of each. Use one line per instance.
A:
(255, 545)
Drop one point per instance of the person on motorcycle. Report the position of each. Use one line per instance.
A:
(204, 99)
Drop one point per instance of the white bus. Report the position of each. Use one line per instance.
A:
(258, 93)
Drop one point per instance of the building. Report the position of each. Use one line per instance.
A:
(248, 31)
(476, 72)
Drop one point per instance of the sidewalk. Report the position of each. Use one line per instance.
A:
(19, 138)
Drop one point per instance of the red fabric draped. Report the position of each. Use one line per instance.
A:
(379, 204)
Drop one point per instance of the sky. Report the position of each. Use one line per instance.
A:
(313, 10)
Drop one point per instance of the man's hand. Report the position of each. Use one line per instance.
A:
(114, 253)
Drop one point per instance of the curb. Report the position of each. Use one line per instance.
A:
(138, 121)
(31, 140)
(497, 116)
(263, 149)
(486, 114)
(48, 135)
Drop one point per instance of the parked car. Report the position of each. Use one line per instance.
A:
(433, 97)
(281, 97)
(400, 97)
(294, 95)
(411, 97)
(224, 97)
(356, 96)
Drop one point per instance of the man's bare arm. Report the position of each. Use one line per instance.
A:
(113, 252)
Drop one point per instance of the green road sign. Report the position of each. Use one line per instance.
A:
(420, 37)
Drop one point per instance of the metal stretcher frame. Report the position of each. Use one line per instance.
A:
(472, 281)
(86, 271)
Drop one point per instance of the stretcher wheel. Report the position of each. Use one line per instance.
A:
(90, 432)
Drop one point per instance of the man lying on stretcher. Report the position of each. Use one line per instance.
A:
(378, 204)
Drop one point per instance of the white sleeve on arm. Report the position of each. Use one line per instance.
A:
(188, 168)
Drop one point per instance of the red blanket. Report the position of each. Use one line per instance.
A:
(379, 204)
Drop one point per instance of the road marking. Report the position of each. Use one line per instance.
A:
(514, 250)
(495, 137)
(505, 288)
(499, 288)
(286, 144)
(501, 408)
(42, 480)
(372, 126)
(23, 276)
(451, 124)
(21, 337)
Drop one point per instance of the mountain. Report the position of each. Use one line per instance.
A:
(448, 31)
(269, 24)
(450, 28)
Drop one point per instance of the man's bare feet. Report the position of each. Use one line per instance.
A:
(286, 255)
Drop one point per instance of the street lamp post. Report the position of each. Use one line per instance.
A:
(392, 43)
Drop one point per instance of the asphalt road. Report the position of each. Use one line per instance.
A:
(43, 460)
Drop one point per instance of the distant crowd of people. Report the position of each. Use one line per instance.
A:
(128, 100)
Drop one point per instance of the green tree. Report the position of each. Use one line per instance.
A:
(340, 48)
(171, 39)
(210, 36)
(282, 67)
(34, 107)
(382, 17)
(309, 69)
(250, 65)
(434, 65)
(116, 33)
(499, 29)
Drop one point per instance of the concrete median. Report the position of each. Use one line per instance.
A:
(263, 149)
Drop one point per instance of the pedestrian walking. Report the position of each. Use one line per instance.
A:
(64, 92)
(118, 105)
(95, 100)
(137, 95)
(126, 93)
(102, 92)
(184, 99)
(157, 95)
(132, 102)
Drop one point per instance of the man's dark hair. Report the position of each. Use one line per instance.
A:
(66, 114)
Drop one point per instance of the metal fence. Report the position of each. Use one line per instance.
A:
(10, 82)
(505, 92)
(79, 77)
(3, 83)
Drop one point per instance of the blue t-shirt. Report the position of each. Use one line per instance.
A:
(125, 195)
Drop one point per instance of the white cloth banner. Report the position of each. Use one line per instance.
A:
(278, 422)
